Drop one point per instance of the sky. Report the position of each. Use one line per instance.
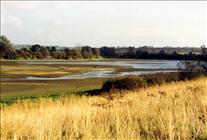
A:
(110, 23)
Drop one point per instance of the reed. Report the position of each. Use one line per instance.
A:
(177, 110)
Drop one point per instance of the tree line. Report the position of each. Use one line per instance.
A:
(143, 54)
(86, 52)
(40, 52)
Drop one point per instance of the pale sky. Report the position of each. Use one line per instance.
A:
(111, 23)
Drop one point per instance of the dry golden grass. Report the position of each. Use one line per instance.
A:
(172, 111)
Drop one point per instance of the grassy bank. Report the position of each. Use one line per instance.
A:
(14, 90)
(176, 110)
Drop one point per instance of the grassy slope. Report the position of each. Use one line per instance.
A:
(171, 111)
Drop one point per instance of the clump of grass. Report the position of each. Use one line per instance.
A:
(173, 111)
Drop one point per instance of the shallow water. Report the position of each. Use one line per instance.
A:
(142, 64)
(94, 74)
(147, 66)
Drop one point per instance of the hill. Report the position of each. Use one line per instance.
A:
(170, 111)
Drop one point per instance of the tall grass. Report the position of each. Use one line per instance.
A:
(172, 111)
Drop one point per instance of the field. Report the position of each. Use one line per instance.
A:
(177, 110)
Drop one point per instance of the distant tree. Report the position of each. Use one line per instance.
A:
(53, 49)
(131, 52)
(27, 53)
(55, 55)
(108, 52)
(78, 53)
(203, 49)
(67, 53)
(72, 53)
(86, 52)
(162, 54)
(21, 53)
(48, 48)
(62, 55)
(44, 51)
(38, 55)
(75, 54)
(145, 47)
(35, 47)
(190, 53)
(96, 52)
(174, 53)
(142, 54)
(6, 49)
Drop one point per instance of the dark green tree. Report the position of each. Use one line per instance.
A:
(86, 52)
(6, 49)
(96, 52)
(131, 52)
(35, 47)
(108, 52)
(203, 50)
(44, 51)
(38, 55)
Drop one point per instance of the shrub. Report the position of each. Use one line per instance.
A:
(127, 83)
(187, 70)
(192, 69)
(136, 82)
